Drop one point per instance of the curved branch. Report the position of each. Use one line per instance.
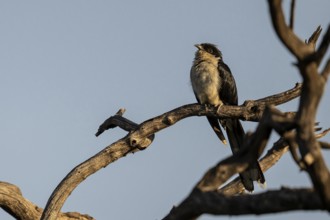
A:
(140, 139)
(285, 34)
(80, 173)
(13, 202)
(292, 8)
(282, 97)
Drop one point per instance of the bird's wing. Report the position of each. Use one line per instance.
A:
(228, 91)
(228, 95)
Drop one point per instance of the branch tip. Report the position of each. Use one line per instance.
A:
(314, 37)
(292, 9)
(121, 111)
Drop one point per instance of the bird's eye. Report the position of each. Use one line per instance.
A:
(213, 52)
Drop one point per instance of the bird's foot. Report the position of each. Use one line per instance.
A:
(220, 104)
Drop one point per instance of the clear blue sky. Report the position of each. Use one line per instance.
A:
(66, 66)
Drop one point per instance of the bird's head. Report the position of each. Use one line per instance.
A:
(207, 49)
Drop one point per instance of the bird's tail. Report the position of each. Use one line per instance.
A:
(216, 128)
(235, 133)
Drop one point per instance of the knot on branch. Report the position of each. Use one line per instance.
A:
(169, 120)
(254, 108)
(140, 143)
(309, 159)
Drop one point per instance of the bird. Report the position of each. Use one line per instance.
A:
(213, 84)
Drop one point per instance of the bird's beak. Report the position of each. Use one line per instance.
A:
(199, 47)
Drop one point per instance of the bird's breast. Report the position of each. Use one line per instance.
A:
(205, 80)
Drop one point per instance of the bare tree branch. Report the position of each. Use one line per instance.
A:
(285, 34)
(324, 45)
(314, 37)
(116, 120)
(290, 138)
(292, 8)
(282, 97)
(312, 91)
(325, 145)
(309, 147)
(13, 202)
(272, 201)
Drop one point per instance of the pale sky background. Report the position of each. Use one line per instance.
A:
(66, 66)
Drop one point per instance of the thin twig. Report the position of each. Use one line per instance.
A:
(292, 9)
(314, 37)
(323, 48)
